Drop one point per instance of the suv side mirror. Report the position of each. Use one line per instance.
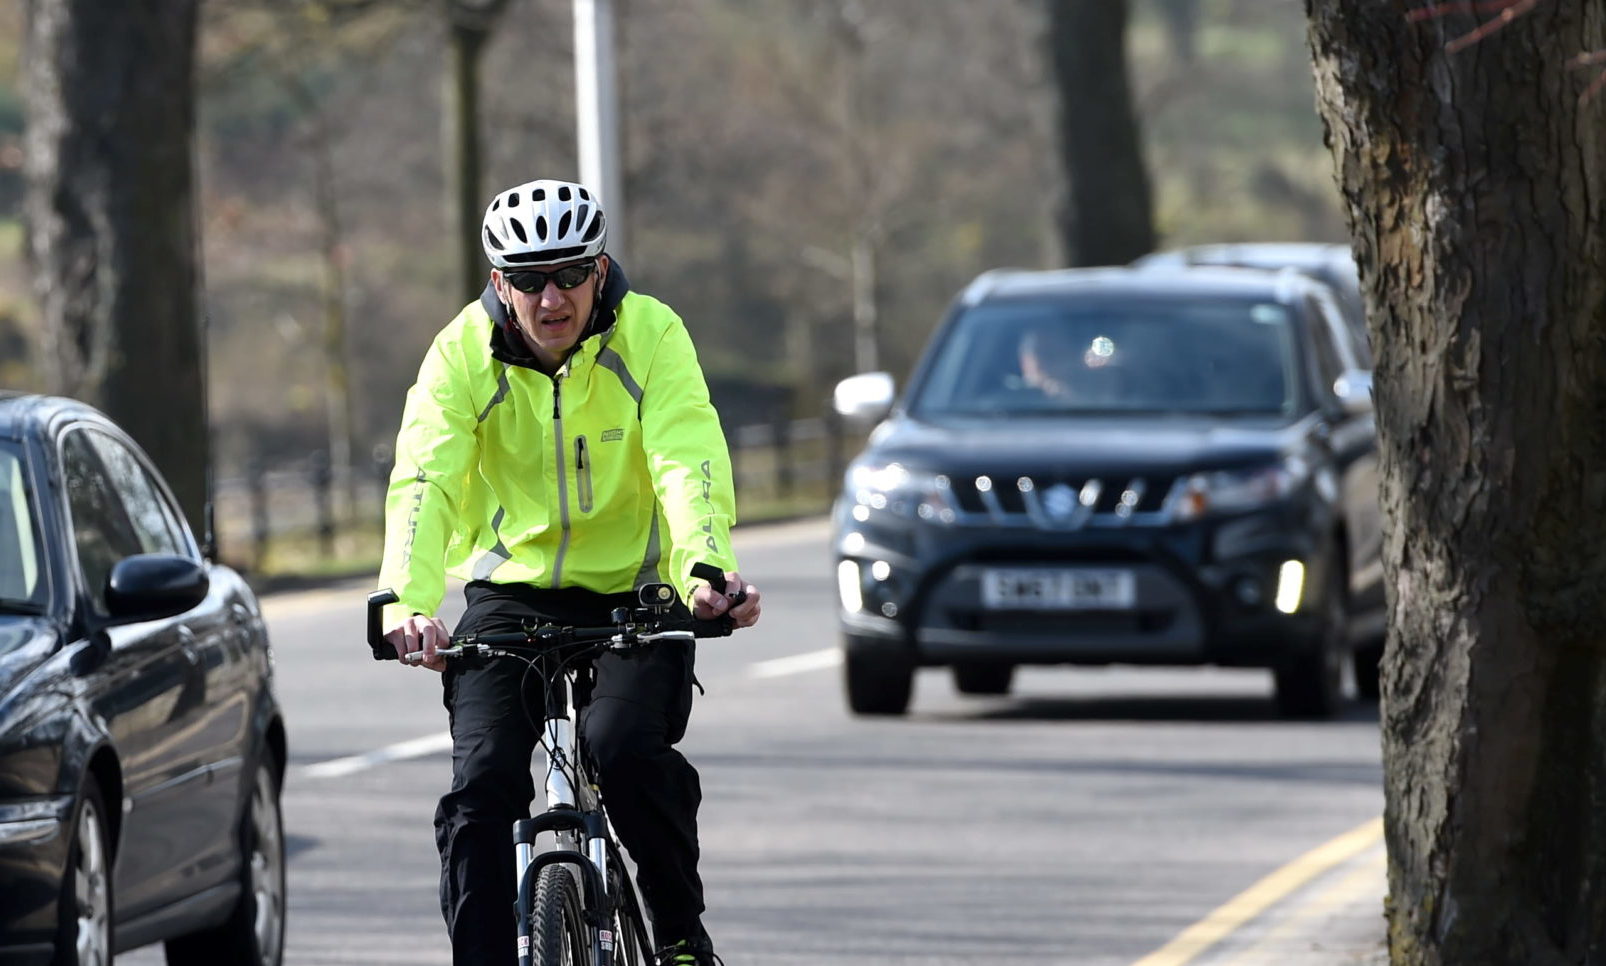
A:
(150, 586)
(865, 398)
(1354, 391)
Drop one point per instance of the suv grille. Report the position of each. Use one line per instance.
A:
(1062, 503)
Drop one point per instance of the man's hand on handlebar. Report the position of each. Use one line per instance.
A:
(420, 635)
(708, 603)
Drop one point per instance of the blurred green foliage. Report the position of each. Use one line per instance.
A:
(762, 137)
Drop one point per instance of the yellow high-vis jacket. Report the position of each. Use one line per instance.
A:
(610, 474)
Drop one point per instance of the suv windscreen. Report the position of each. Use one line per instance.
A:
(22, 561)
(1048, 357)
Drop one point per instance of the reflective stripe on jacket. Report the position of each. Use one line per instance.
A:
(610, 474)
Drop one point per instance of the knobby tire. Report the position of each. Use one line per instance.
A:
(558, 934)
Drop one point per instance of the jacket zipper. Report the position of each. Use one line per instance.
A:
(582, 473)
(563, 482)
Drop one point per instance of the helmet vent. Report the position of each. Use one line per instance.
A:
(585, 195)
(581, 214)
(538, 194)
(595, 230)
(490, 240)
(563, 193)
(540, 227)
(563, 223)
(513, 199)
(518, 229)
(496, 204)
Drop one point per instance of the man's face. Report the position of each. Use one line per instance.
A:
(551, 318)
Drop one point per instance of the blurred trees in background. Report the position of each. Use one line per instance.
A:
(111, 221)
(809, 183)
(1476, 191)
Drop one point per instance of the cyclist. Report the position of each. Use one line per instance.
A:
(557, 451)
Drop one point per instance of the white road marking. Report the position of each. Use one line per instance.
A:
(797, 664)
(400, 751)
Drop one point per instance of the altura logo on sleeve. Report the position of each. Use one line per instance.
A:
(412, 520)
(708, 500)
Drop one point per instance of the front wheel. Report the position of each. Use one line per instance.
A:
(878, 681)
(253, 935)
(1310, 683)
(556, 929)
(84, 915)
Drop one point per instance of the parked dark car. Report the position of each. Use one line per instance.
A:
(141, 748)
(1116, 466)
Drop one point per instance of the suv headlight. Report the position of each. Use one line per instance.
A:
(1224, 491)
(896, 489)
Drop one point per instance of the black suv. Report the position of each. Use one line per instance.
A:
(1158, 466)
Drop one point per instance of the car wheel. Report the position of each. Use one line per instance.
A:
(1369, 671)
(1310, 684)
(84, 936)
(253, 935)
(983, 678)
(878, 680)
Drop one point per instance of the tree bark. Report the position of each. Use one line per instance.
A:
(111, 224)
(1475, 185)
(1107, 218)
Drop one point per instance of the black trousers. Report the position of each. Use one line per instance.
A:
(638, 709)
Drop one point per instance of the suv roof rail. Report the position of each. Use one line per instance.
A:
(1290, 282)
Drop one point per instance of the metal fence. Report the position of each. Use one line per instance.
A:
(780, 468)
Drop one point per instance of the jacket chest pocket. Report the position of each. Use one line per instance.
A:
(584, 495)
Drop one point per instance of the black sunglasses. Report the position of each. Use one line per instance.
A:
(567, 277)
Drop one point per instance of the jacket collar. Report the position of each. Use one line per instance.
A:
(509, 348)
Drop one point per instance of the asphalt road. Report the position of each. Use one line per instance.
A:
(1095, 816)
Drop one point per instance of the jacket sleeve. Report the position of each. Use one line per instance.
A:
(435, 451)
(687, 459)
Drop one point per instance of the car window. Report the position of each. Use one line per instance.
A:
(1328, 364)
(153, 518)
(101, 528)
(1207, 356)
(1351, 329)
(22, 575)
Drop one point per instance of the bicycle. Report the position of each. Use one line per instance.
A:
(598, 919)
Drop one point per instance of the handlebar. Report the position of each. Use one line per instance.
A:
(631, 626)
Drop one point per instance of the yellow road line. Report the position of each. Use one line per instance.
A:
(1270, 949)
(1231, 915)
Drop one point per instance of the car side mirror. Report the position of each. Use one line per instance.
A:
(150, 586)
(1354, 391)
(864, 398)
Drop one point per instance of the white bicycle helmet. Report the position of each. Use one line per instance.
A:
(543, 223)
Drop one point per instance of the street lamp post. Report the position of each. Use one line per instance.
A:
(597, 111)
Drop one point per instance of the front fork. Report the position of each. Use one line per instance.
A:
(563, 817)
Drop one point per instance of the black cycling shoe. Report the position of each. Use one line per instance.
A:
(689, 952)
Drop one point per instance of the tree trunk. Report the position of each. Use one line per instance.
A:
(468, 26)
(1475, 183)
(1107, 218)
(111, 226)
(465, 207)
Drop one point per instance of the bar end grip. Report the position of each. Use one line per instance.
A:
(380, 647)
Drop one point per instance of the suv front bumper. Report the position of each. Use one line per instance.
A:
(1193, 604)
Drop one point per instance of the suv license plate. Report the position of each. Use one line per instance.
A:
(1058, 590)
